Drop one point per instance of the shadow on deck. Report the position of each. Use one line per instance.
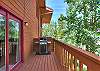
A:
(41, 63)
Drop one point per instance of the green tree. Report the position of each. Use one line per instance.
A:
(79, 25)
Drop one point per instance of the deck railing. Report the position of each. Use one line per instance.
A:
(76, 59)
(73, 58)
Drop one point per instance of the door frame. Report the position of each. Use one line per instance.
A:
(6, 13)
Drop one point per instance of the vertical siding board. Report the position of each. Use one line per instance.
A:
(7, 5)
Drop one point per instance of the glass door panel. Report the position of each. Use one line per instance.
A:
(2, 42)
(14, 42)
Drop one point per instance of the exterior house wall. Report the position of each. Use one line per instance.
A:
(26, 11)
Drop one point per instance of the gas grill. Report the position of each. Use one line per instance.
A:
(43, 49)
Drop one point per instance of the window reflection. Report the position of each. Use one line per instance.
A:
(14, 40)
(2, 43)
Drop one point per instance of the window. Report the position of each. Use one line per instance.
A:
(14, 42)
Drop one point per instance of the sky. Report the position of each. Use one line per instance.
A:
(58, 6)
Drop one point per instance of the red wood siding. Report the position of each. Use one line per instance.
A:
(26, 11)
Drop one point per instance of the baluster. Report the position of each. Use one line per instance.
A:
(64, 57)
(81, 66)
(68, 60)
(55, 48)
(71, 62)
(61, 53)
(75, 64)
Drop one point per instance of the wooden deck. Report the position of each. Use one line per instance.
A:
(41, 63)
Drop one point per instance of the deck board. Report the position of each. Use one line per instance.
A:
(41, 63)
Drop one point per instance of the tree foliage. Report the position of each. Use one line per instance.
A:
(79, 25)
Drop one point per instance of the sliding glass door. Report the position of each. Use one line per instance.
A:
(10, 41)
